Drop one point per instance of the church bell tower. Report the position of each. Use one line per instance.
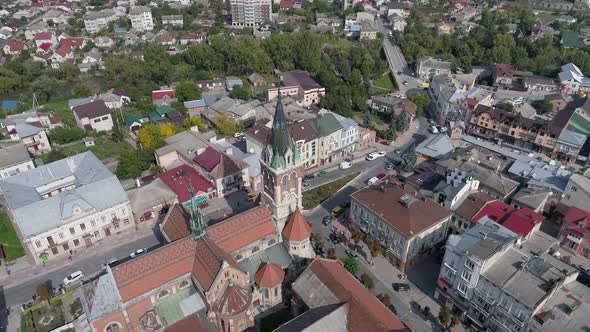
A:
(281, 170)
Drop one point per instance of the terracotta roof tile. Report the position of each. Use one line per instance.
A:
(233, 300)
(366, 312)
(472, 204)
(208, 262)
(155, 268)
(175, 225)
(495, 210)
(297, 228)
(190, 323)
(401, 207)
(269, 275)
(243, 229)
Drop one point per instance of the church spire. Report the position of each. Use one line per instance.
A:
(280, 150)
(196, 216)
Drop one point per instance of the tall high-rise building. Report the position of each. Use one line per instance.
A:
(250, 13)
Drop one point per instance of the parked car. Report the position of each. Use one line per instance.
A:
(433, 130)
(239, 135)
(345, 205)
(389, 167)
(405, 82)
(327, 220)
(351, 253)
(372, 180)
(138, 252)
(306, 184)
(381, 153)
(308, 177)
(345, 164)
(384, 142)
(372, 156)
(73, 277)
(399, 287)
(337, 211)
(381, 176)
(397, 151)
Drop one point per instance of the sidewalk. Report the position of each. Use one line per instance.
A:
(24, 269)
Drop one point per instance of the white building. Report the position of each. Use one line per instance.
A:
(64, 205)
(31, 134)
(141, 18)
(250, 13)
(99, 20)
(429, 67)
(329, 138)
(173, 20)
(94, 116)
(14, 159)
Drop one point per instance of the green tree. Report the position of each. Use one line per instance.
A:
(81, 91)
(225, 125)
(43, 292)
(240, 92)
(367, 281)
(410, 159)
(131, 164)
(420, 100)
(118, 134)
(194, 121)
(544, 106)
(67, 135)
(186, 91)
(402, 121)
(351, 264)
(45, 87)
(445, 316)
(385, 299)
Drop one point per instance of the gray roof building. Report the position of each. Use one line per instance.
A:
(87, 181)
(150, 195)
(13, 155)
(533, 198)
(436, 146)
(326, 124)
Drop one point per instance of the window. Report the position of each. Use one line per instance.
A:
(469, 264)
(97, 120)
(105, 117)
(183, 284)
(266, 295)
(66, 247)
(60, 235)
(466, 275)
(116, 224)
(82, 226)
(462, 288)
(76, 242)
(72, 231)
(38, 244)
(276, 291)
(92, 223)
(255, 249)
(574, 188)
(113, 327)
(285, 184)
(162, 294)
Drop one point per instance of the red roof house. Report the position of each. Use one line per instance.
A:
(495, 210)
(179, 178)
(12, 47)
(297, 229)
(159, 95)
(574, 234)
(43, 36)
(269, 276)
(45, 47)
(73, 42)
(523, 221)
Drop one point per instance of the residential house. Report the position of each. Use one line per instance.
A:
(252, 159)
(227, 173)
(577, 191)
(329, 130)
(148, 202)
(540, 83)
(141, 18)
(298, 85)
(104, 42)
(173, 20)
(181, 148)
(465, 211)
(62, 55)
(344, 300)
(191, 38)
(14, 47)
(444, 90)
(179, 179)
(93, 116)
(195, 107)
(42, 38)
(399, 8)
(134, 122)
(569, 144)
(14, 159)
(435, 146)
(30, 133)
(350, 132)
(163, 97)
(114, 98)
(5, 33)
(408, 225)
(216, 83)
(532, 198)
(256, 80)
(398, 23)
(575, 227)
(454, 189)
(502, 75)
(76, 213)
(233, 81)
(250, 14)
(394, 106)
(572, 80)
(95, 21)
(238, 111)
(74, 42)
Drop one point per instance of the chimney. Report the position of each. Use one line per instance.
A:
(195, 129)
(229, 151)
(137, 182)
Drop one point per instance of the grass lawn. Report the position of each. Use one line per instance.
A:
(374, 118)
(10, 241)
(60, 106)
(316, 196)
(52, 314)
(104, 148)
(274, 320)
(385, 82)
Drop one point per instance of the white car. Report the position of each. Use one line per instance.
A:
(138, 252)
(345, 164)
(372, 156)
(239, 135)
(373, 180)
(381, 154)
(73, 277)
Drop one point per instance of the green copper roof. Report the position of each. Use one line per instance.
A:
(280, 140)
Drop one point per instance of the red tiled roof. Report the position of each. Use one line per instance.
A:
(297, 229)
(208, 159)
(574, 215)
(45, 46)
(208, 262)
(503, 70)
(37, 5)
(286, 4)
(191, 36)
(269, 276)
(92, 110)
(159, 94)
(177, 179)
(154, 269)
(15, 46)
(43, 36)
(175, 225)
(243, 229)
(523, 221)
(190, 323)
(366, 312)
(63, 51)
(234, 300)
(72, 42)
(495, 210)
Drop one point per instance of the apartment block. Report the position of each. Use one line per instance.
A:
(250, 13)
(141, 18)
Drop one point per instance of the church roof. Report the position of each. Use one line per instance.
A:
(233, 300)
(270, 275)
(280, 141)
(297, 228)
(209, 261)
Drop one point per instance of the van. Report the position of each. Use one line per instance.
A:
(433, 130)
(345, 164)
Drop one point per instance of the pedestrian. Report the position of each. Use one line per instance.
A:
(70, 258)
(71, 252)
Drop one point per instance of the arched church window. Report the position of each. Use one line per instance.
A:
(183, 284)
(162, 294)
(285, 183)
(293, 181)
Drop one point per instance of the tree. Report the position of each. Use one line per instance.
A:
(367, 281)
(544, 106)
(351, 264)
(410, 159)
(43, 292)
(375, 248)
(402, 121)
(167, 129)
(81, 91)
(240, 92)
(63, 135)
(225, 125)
(149, 136)
(118, 134)
(45, 87)
(318, 239)
(186, 91)
(445, 316)
(191, 122)
(332, 253)
(420, 100)
(358, 236)
(385, 299)
(131, 164)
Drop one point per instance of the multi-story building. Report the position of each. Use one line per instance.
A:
(574, 234)
(441, 90)
(300, 86)
(70, 193)
(572, 80)
(14, 159)
(250, 13)
(31, 134)
(569, 144)
(173, 20)
(141, 18)
(330, 138)
(99, 20)
(227, 173)
(409, 225)
(502, 75)
(500, 282)
(428, 68)
(577, 191)
(350, 133)
(93, 116)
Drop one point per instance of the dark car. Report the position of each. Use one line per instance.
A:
(308, 177)
(327, 220)
(392, 309)
(345, 205)
(400, 287)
